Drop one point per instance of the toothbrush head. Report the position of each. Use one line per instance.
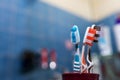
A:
(91, 35)
(75, 36)
(97, 35)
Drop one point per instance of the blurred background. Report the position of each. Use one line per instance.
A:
(35, 37)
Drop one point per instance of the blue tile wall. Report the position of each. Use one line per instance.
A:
(34, 25)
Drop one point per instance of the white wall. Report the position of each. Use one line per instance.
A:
(104, 8)
(79, 8)
(89, 9)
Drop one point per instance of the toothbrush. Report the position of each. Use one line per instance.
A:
(89, 58)
(91, 35)
(75, 39)
(83, 60)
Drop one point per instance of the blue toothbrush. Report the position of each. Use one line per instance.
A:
(75, 39)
